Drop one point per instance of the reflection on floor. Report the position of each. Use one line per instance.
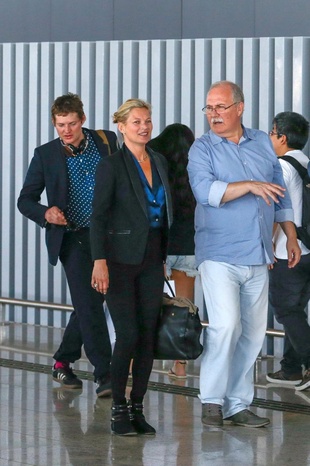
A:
(42, 424)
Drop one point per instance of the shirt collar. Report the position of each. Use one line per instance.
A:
(247, 134)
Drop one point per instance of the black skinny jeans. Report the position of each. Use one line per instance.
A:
(134, 300)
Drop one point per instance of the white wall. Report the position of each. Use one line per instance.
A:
(173, 75)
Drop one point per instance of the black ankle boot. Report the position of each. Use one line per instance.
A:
(120, 420)
(138, 420)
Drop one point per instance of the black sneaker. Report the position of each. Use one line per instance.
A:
(66, 377)
(305, 382)
(281, 378)
(103, 389)
(246, 418)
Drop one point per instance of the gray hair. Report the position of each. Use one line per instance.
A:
(236, 91)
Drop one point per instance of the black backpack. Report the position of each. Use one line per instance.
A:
(303, 232)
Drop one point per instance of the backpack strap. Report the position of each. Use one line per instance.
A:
(302, 171)
(103, 136)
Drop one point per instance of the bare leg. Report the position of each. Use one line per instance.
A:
(184, 287)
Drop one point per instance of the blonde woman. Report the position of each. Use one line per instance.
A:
(132, 213)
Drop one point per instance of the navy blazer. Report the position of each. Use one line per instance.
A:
(48, 170)
(119, 222)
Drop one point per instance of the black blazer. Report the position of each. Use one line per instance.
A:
(48, 170)
(119, 223)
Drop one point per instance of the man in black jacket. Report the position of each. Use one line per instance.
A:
(65, 168)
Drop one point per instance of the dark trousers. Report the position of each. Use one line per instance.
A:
(87, 324)
(134, 299)
(289, 293)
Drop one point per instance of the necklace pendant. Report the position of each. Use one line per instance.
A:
(145, 157)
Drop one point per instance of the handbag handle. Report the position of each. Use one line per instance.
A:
(170, 288)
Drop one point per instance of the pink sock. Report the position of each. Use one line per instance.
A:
(61, 364)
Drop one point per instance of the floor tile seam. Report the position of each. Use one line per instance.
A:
(158, 386)
(31, 352)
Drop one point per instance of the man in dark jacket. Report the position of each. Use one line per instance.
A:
(65, 168)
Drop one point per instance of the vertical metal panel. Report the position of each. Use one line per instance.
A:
(88, 79)
(144, 70)
(173, 83)
(115, 76)
(250, 82)
(203, 79)
(31, 123)
(158, 82)
(187, 82)
(234, 49)
(283, 74)
(130, 70)
(301, 77)
(22, 76)
(101, 86)
(7, 166)
(218, 61)
(266, 79)
(173, 75)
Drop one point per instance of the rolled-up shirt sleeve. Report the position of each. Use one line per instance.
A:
(216, 193)
(284, 215)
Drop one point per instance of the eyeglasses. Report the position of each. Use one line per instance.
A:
(275, 133)
(217, 108)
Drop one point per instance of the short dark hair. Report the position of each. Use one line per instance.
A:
(294, 126)
(67, 103)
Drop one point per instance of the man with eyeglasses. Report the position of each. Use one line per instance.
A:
(239, 188)
(289, 290)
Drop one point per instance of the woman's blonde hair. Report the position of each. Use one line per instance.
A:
(121, 115)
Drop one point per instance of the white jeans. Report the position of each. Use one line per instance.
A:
(237, 301)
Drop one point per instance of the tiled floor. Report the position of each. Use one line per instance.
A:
(44, 425)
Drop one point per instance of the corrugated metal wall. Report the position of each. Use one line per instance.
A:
(173, 75)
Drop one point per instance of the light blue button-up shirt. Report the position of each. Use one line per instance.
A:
(238, 232)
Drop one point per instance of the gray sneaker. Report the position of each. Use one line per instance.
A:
(246, 418)
(281, 378)
(212, 415)
(305, 383)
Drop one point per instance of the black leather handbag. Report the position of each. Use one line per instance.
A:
(178, 330)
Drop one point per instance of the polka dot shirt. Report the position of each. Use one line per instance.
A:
(81, 173)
